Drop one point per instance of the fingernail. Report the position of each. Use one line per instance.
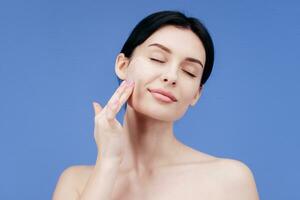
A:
(114, 103)
(123, 82)
(129, 82)
(132, 82)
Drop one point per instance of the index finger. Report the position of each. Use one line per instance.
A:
(119, 99)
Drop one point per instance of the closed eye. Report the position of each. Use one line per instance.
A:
(192, 75)
(156, 60)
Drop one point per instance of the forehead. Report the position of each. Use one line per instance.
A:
(182, 42)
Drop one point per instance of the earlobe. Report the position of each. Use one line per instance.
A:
(121, 66)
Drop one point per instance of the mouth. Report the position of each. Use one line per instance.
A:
(163, 96)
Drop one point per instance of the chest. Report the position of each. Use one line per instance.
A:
(173, 186)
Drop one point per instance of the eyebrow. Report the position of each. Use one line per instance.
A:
(170, 52)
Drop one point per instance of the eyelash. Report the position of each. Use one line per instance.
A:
(153, 59)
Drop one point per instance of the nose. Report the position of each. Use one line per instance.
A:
(170, 77)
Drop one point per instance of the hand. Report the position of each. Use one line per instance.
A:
(108, 131)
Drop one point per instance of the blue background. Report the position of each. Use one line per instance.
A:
(56, 57)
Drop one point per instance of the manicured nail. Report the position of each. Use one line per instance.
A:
(115, 103)
(123, 82)
(129, 83)
(132, 83)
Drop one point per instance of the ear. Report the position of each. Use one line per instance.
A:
(121, 66)
(197, 96)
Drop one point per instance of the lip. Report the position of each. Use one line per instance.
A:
(164, 93)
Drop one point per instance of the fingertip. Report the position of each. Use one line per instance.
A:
(97, 108)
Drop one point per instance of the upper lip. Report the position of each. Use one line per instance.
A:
(164, 92)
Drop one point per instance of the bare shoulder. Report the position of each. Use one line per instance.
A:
(71, 181)
(237, 179)
(235, 169)
(232, 178)
(80, 175)
(230, 169)
(80, 171)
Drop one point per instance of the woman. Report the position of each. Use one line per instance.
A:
(163, 66)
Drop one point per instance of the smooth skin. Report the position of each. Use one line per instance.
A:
(142, 159)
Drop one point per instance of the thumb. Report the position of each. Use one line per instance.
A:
(97, 108)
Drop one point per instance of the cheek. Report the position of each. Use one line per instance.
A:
(188, 93)
(141, 71)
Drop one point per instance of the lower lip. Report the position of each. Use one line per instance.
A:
(161, 97)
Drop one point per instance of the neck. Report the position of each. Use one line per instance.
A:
(149, 143)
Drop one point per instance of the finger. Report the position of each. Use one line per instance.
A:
(118, 92)
(110, 110)
(115, 105)
(114, 97)
(97, 108)
(125, 96)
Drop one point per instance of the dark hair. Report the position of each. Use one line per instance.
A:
(146, 27)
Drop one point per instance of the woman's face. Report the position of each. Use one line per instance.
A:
(171, 59)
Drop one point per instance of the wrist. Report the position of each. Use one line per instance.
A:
(108, 163)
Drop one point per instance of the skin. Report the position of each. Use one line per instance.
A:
(155, 165)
